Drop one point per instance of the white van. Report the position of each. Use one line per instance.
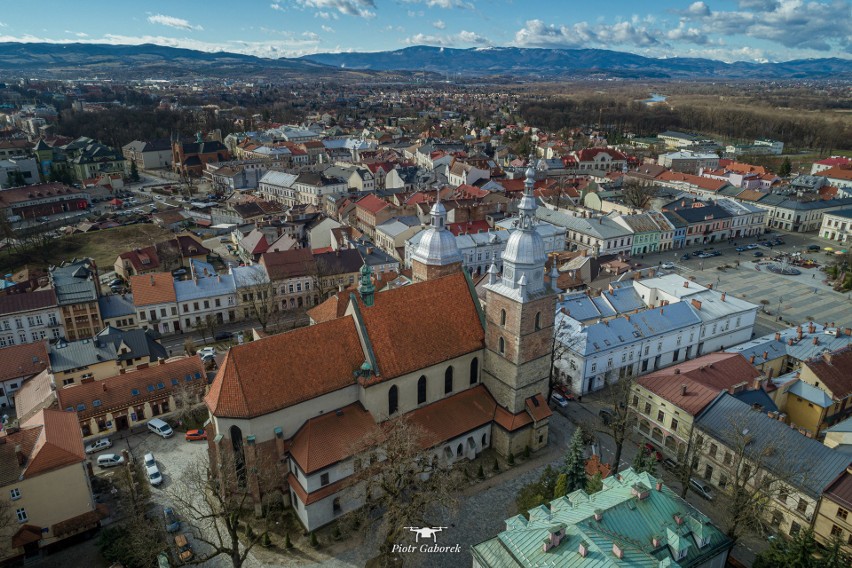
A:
(160, 428)
(109, 460)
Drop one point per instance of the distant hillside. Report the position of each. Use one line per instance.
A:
(141, 61)
(552, 63)
(149, 61)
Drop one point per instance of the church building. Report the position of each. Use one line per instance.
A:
(468, 377)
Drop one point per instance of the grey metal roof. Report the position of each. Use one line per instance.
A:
(74, 282)
(801, 461)
(105, 346)
(602, 227)
(116, 306)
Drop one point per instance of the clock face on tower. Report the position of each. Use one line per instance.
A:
(509, 274)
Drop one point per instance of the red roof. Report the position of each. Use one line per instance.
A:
(471, 227)
(252, 382)
(154, 288)
(332, 437)
(705, 378)
(707, 184)
(371, 203)
(834, 371)
(835, 161)
(589, 154)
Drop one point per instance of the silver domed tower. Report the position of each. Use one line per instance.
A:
(437, 253)
(525, 257)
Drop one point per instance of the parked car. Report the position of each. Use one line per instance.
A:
(184, 549)
(172, 522)
(697, 252)
(116, 282)
(557, 398)
(716, 253)
(154, 476)
(752, 246)
(701, 488)
(706, 255)
(160, 428)
(813, 247)
(178, 271)
(766, 244)
(649, 448)
(42, 219)
(668, 265)
(686, 256)
(223, 335)
(670, 464)
(606, 416)
(206, 352)
(196, 434)
(741, 249)
(778, 242)
(757, 253)
(109, 460)
(98, 445)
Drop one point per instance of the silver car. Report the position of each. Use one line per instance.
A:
(700, 487)
(98, 445)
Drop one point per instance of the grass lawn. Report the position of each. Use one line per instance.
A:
(104, 246)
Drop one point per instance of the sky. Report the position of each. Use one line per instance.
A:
(729, 30)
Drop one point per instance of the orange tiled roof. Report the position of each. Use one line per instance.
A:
(416, 326)
(251, 383)
(50, 439)
(23, 360)
(451, 417)
(538, 408)
(115, 393)
(328, 310)
(319, 494)
(154, 288)
(332, 437)
(509, 421)
(708, 184)
(750, 195)
(741, 168)
(834, 370)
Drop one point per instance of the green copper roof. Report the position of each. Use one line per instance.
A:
(651, 532)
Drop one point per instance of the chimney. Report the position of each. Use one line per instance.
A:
(790, 341)
(598, 515)
(616, 551)
(659, 485)
(677, 371)
(848, 331)
(723, 296)
(777, 336)
(799, 332)
(104, 385)
(816, 340)
(696, 304)
(19, 454)
(827, 357)
(710, 286)
(766, 355)
(583, 548)
(152, 280)
(122, 371)
(686, 283)
(811, 327)
(751, 359)
(683, 390)
(661, 310)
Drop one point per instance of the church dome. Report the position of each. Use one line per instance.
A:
(525, 247)
(437, 247)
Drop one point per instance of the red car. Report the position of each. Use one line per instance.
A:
(650, 449)
(197, 434)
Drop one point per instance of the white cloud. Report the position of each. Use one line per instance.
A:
(276, 6)
(4, 25)
(327, 29)
(172, 22)
(359, 8)
(446, 4)
(536, 33)
(464, 37)
(439, 24)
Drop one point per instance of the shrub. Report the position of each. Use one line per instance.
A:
(265, 541)
(287, 543)
(511, 460)
(496, 466)
(527, 452)
(480, 473)
(314, 541)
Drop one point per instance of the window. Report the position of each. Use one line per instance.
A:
(594, 367)
(22, 515)
(795, 528)
(708, 472)
(501, 346)
(635, 401)
(727, 459)
(723, 481)
(421, 389)
(324, 479)
(661, 416)
(674, 424)
(502, 317)
(218, 302)
(647, 408)
(802, 506)
(538, 321)
(393, 402)
(713, 449)
(836, 531)
(448, 380)
(841, 513)
(474, 371)
(15, 494)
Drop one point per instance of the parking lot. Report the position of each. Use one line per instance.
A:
(793, 298)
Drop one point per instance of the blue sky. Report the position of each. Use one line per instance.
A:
(749, 30)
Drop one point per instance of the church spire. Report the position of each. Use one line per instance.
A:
(365, 285)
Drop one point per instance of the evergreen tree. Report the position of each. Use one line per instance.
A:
(786, 168)
(594, 484)
(134, 172)
(797, 552)
(645, 461)
(575, 463)
(561, 489)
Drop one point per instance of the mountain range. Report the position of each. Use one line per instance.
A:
(555, 63)
(155, 61)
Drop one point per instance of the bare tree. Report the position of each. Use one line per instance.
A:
(688, 461)
(212, 506)
(260, 296)
(618, 419)
(8, 522)
(405, 484)
(187, 400)
(326, 278)
(637, 193)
